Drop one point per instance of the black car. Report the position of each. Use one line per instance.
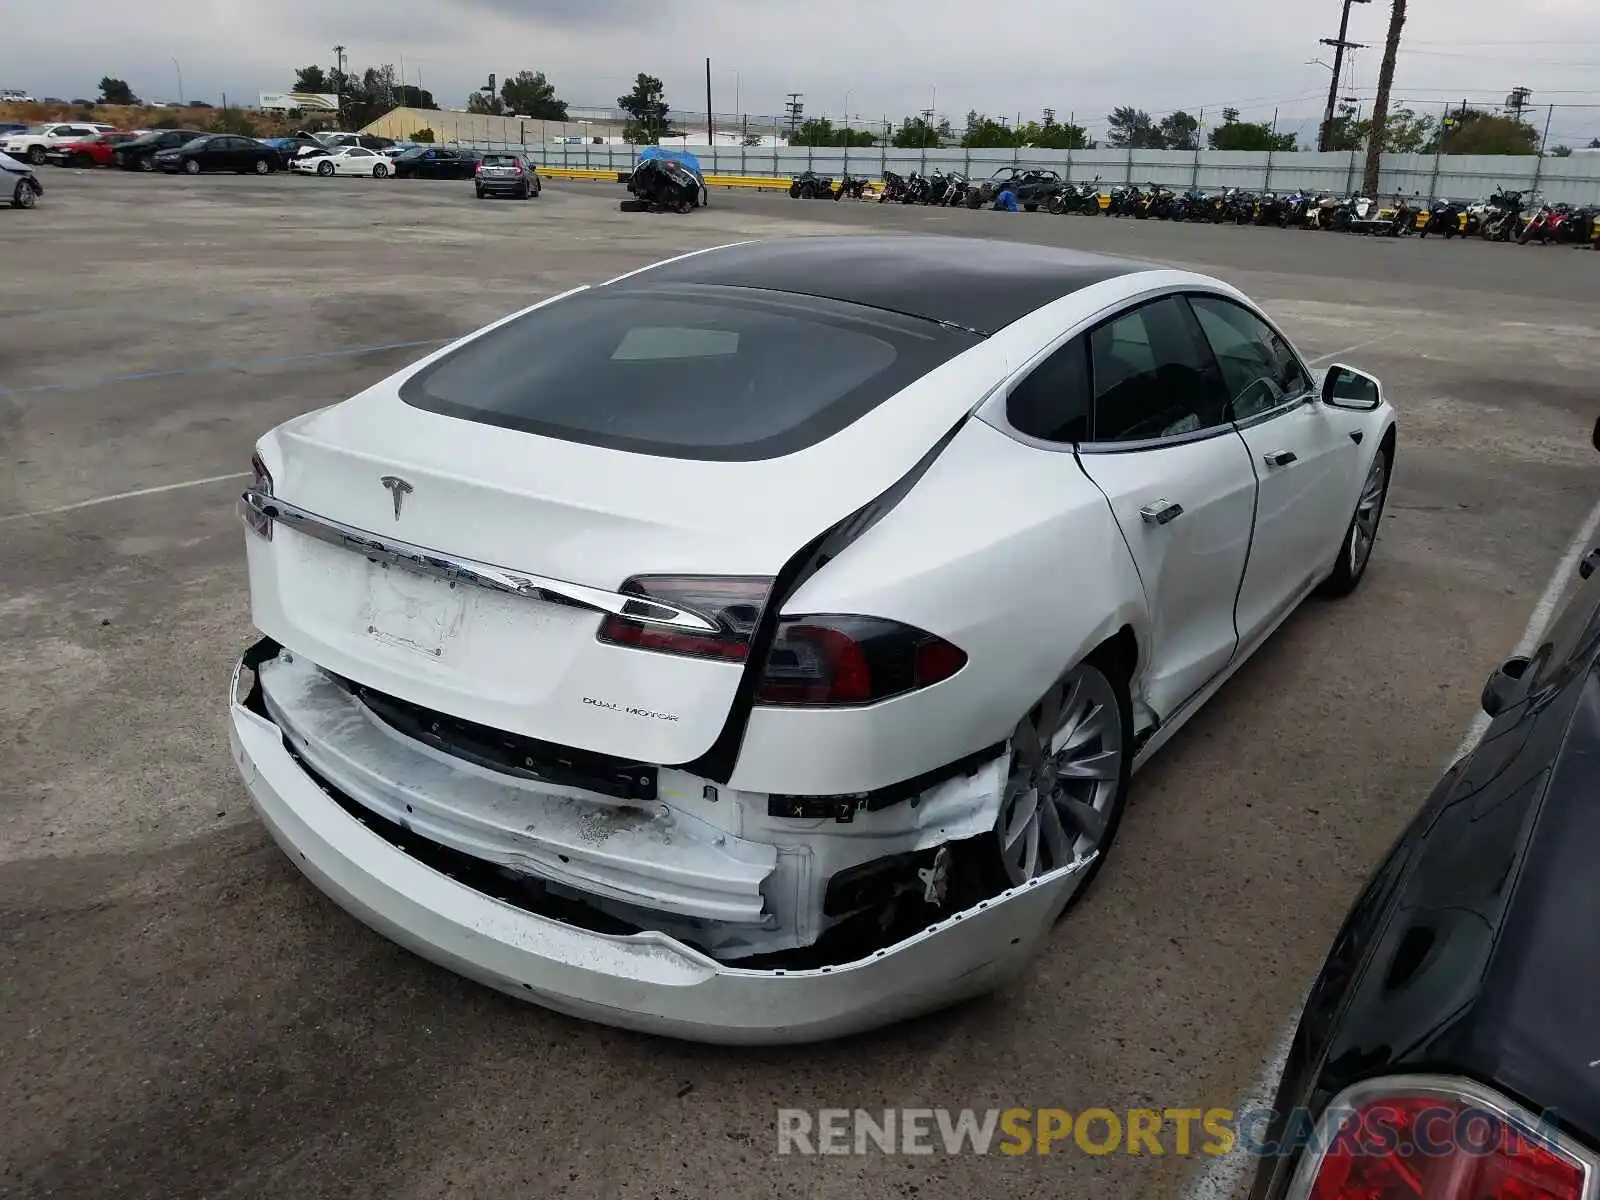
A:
(663, 185)
(139, 154)
(1450, 1047)
(219, 152)
(1030, 185)
(436, 162)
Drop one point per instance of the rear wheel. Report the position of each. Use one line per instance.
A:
(380, 171)
(1356, 551)
(1071, 760)
(262, 166)
(36, 155)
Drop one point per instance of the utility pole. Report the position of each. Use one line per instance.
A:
(1380, 104)
(793, 110)
(710, 137)
(1340, 45)
(338, 79)
(1518, 100)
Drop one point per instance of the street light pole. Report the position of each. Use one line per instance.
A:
(1340, 45)
(179, 70)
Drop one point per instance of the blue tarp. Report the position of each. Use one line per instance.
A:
(682, 156)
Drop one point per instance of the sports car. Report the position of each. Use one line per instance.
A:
(352, 160)
(757, 647)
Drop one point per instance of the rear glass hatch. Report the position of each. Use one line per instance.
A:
(686, 371)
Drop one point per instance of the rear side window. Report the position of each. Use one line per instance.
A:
(1053, 402)
(692, 372)
(1154, 377)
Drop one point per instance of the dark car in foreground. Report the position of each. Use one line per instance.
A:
(219, 152)
(436, 162)
(139, 154)
(1450, 1048)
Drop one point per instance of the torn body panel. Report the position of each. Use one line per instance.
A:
(710, 866)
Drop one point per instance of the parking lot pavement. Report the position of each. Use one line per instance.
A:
(184, 1015)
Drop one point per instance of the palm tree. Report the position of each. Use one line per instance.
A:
(1380, 106)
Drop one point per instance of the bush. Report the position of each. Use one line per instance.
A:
(423, 135)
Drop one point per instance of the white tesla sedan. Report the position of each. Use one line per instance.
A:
(757, 647)
(352, 160)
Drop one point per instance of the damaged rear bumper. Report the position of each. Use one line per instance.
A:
(644, 981)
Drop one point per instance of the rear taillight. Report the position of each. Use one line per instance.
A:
(1444, 1142)
(260, 485)
(731, 604)
(831, 661)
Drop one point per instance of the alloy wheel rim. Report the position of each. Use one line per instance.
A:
(1364, 530)
(1066, 770)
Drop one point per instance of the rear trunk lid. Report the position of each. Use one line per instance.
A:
(462, 485)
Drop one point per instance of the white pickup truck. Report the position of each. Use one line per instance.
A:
(36, 141)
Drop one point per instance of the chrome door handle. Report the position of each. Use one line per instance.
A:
(1162, 512)
(1279, 458)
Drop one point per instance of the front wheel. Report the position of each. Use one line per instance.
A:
(147, 164)
(1071, 760)
(1356, 550)
(324, 168)
(25, 195)
(262, 166)
(36, 155)
(191, 166)
(380, 171)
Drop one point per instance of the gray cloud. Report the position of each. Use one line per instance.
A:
(885, 60)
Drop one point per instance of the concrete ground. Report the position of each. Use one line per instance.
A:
(181, 1014)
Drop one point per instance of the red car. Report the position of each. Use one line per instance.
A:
(97, 151)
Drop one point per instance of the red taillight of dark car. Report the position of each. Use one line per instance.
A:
(823, 661)
(1435, 1147)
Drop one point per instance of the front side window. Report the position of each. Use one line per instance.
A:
(1259, 369)
(1153, 375)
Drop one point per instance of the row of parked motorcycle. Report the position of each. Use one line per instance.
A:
(1505, 216)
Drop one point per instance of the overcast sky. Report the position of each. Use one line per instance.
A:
(888, 58)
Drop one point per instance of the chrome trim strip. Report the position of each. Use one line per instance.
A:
(1445, 1087)
(436, 565)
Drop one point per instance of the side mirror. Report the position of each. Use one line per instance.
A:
(1501, 689)
(1346, 387)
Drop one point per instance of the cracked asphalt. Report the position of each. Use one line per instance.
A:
(182, 1015)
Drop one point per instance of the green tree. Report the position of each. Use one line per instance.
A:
(1405, 132)
(530, 94)
(984, 134)
(312, 79)
(1234, 134)
(1469, 131)
(116, 91)
(819, 131)
(423, 135)
(1180, 131)
(915, 133)
(1133, 129)
(646, 106)
(482, 102)
(410, 96)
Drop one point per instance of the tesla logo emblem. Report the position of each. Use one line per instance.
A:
(399, 489)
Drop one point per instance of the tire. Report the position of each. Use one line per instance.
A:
(324, 169)
(794, 191)
(685, 206)
(147, 163)
(633, 206)
(24, 196)
(974, 199)
(380, 171)
(1097, 716)
(1030, 207)
(191, 166)
(1355, 551)
(263, 167)
(36, 155)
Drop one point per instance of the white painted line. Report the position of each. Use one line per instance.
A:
(1322, 358)
(1223, 1175)
(149, 491)
(1542, 613)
